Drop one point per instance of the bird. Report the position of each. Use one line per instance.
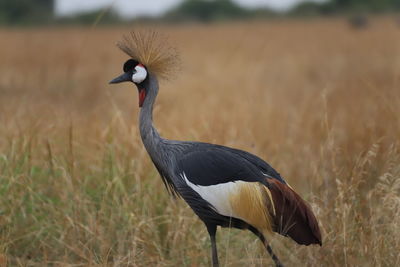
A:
(224, 186)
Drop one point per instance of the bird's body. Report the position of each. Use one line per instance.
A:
(224, 186)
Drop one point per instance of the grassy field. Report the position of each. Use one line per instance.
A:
(318, 100)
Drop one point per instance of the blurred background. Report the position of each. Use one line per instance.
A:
(313, 87)
(45, 12)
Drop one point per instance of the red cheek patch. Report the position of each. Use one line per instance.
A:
(142, 96)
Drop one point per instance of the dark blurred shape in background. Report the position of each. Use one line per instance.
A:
(20, 12)
(218, 10)
(346, 7)
(359, 22)
(40, 12)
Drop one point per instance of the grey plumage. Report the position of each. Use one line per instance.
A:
(161, 151)
(224, 186)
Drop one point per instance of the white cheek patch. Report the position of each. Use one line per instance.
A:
(140, 74)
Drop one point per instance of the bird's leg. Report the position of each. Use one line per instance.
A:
(273, 256)
(267, 246)
(212, 229)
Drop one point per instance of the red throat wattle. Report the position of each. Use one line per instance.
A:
(142, 96)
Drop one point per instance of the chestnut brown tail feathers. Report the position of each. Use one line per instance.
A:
(293, 217)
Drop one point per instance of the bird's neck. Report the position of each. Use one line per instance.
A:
(149, 134)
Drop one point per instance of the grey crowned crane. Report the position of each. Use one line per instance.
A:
(224, 186)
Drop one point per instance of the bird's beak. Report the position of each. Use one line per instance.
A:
(126, 77)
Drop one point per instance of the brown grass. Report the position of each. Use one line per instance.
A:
(317, 100)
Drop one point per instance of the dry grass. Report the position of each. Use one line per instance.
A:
(319, 101)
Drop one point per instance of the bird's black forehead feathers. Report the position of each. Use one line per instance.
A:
(130, 64)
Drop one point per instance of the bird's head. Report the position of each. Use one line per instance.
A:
(134, 72)
(150, 57)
